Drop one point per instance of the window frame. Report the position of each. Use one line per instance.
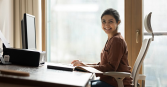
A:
(133, 23)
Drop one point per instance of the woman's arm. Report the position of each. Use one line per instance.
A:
(92, 64)
(80, 63)
(113, 56)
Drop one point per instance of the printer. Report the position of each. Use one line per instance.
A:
(24, 56)
(20, 56)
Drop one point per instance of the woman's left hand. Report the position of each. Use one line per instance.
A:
(77, 63)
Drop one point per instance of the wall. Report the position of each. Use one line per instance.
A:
(6, 20)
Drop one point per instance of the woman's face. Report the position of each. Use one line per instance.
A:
(109, 24)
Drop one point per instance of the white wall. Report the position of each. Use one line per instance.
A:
(6, 20)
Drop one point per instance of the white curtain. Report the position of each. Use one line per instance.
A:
(6, 20)
(32, 7)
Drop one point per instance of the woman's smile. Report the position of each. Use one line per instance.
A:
(109, 25)
(107, 28)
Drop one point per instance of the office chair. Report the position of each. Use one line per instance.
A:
(119, 76)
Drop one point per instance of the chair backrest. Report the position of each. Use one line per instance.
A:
(140, 58)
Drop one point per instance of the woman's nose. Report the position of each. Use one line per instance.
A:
(107, 24)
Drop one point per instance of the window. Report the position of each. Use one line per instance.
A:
(155, 61)
(74, 29)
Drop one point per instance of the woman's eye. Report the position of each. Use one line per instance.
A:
(111, 21)
(103, 21)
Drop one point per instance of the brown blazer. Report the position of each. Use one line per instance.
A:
(114, 57)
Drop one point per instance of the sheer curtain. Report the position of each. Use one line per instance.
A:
(32, 7)
(74, 29)
(6, 20)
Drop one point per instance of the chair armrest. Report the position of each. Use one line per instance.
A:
(141, 77)
(119, 76)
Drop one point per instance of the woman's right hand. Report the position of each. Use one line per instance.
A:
(77, 63)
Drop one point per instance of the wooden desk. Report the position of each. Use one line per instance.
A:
(43, 77)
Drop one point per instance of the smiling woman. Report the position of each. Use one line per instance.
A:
(109, 25)
(74, 29)
(114, 56)
(110, 21)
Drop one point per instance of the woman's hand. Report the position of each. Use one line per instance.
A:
(77, 63)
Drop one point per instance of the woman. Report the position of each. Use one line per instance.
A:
(114, 56)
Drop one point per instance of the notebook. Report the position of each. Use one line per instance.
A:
(72, 68)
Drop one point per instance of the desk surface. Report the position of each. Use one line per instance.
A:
(41, 76)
